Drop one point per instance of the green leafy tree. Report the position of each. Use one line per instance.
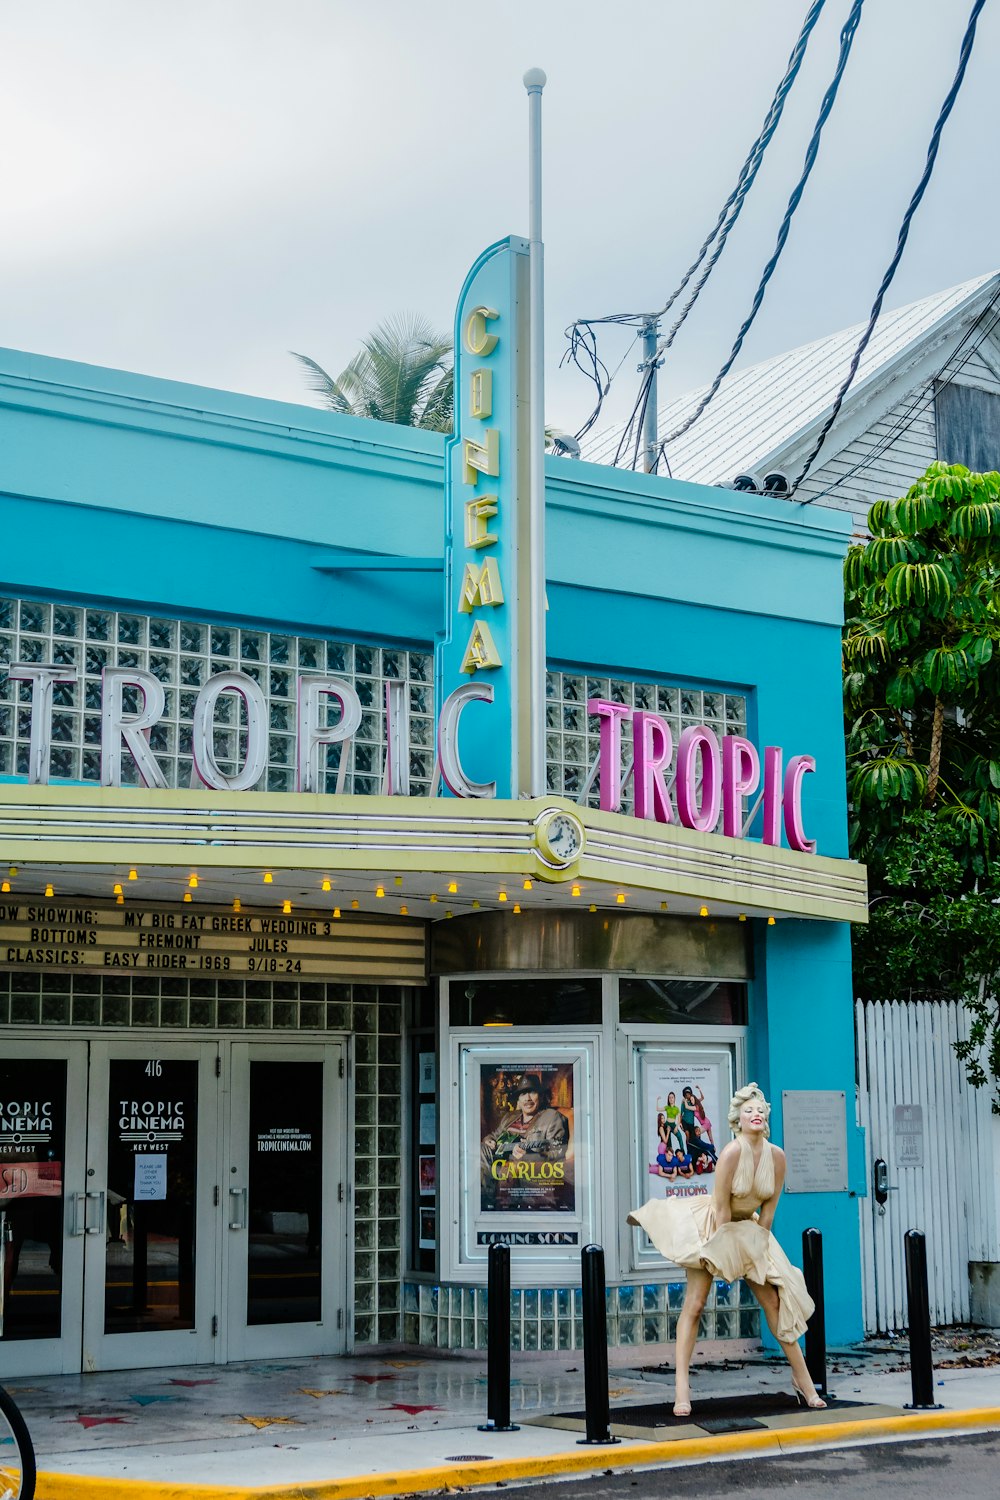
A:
(922, 705)
(402, 373)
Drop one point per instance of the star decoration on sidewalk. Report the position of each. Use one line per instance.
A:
(371, 1379)
(260, 1422)
(304, 1389)
(411, 1411)
(94, 1421)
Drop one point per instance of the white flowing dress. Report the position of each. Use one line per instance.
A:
(684, 1230)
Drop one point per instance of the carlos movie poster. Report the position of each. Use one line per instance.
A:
(686, 1099)
(526, 1127)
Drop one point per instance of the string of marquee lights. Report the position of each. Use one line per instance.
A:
(847, 35)
(582, 350)
(968, 41)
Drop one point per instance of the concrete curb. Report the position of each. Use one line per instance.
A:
(773, 1440)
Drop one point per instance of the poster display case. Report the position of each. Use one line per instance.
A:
(525, 1174)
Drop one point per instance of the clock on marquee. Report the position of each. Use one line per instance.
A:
(559, 837)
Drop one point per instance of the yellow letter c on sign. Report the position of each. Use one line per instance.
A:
(478, 339)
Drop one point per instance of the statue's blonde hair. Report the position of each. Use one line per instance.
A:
(746, 1179)
(751, 1091)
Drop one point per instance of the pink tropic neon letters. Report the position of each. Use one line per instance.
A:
(798, 767)
(654, 745)
(698, 747)
(610, 715)
(740, 778)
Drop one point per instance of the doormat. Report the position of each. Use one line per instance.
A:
(714, 1414)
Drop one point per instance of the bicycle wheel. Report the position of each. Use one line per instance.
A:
(17, 1455)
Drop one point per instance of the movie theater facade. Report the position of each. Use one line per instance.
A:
(308, 992)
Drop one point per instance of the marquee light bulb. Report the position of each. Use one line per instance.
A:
(433, 897)
(237, 904)
(268, 878)
(475, 906)
(5, 888)
(286, 907)
(404, 911)
(12, 871)
(48, 889)
(593, 906)
(527, 885)
(517, 908)
(119, 900)
(448, 913)
(453, 888)
(743, 916)
(770, 921)
(576, 890)
(663, 906)
(336, 911)
(133, 874)
(187, 897)
(380, 890)
(326, 884)
(502, 896)
(620, 898)
(398, 879)
(116, 890)
(703, 912)
(355, 904)
(193, 883)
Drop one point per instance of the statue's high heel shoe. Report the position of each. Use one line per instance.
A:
(813, 1403)
(682, 1408)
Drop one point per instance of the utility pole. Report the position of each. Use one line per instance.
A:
(650, 362)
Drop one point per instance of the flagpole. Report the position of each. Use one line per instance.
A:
(534, 82)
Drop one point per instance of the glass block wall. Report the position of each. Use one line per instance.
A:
(454, 1317)
(183, 654)
(372, 1012)
(572, 736)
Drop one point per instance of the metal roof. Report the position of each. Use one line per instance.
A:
(760, 411)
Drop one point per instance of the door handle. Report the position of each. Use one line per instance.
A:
(97, 1228)
(239, 1208)
(79, 1214)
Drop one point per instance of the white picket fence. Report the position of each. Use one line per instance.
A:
(906, 1056)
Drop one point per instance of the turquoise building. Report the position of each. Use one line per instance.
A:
(288, 931)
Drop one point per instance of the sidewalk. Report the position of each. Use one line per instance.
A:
(327, 1427)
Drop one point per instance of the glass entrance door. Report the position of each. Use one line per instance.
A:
(286, 1191)
(42, 1206)
(151, 1204)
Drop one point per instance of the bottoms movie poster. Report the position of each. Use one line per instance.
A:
(526, 1157)
(686, 1102)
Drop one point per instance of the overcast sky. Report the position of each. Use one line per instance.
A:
(192, 188)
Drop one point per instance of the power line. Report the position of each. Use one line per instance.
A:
(812, 151)
(582, 337)
(986, 323)
(904, 230)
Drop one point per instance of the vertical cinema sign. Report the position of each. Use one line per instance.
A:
(483, 650)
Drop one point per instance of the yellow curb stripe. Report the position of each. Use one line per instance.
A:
(627, 1455)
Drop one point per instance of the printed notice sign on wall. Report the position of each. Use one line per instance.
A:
(815, 1140)
(150, 1178)
(908, 1125)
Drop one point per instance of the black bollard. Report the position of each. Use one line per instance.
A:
(812, 1270)
(595, 1347)
(919, 1318)
(498, 1342)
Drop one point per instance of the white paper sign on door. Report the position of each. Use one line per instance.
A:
(150, 1178)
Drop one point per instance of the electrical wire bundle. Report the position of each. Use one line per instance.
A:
(583, 350)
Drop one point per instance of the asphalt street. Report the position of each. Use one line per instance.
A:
(966, 1466)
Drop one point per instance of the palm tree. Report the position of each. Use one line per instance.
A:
(402, 373)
